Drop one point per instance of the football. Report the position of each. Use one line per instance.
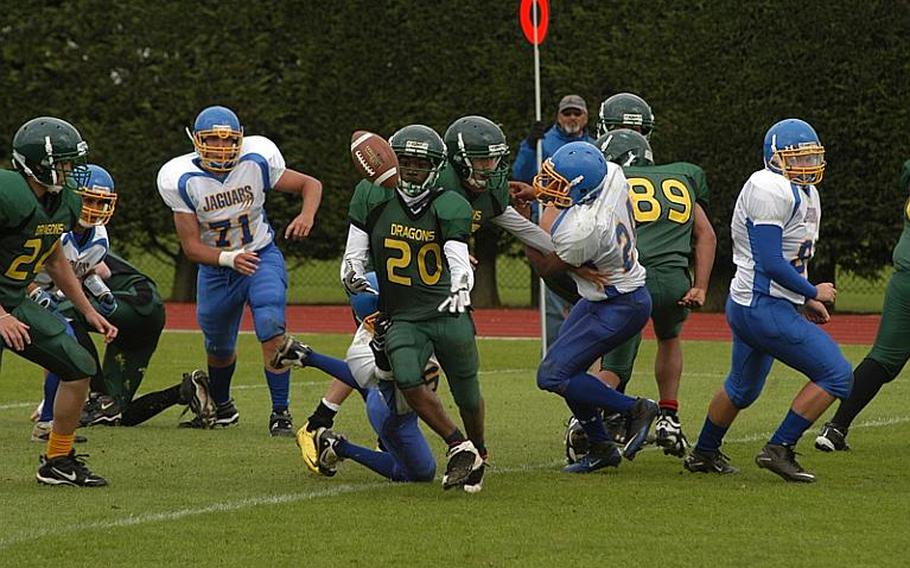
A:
(374, 158)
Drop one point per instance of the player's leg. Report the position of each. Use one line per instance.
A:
(884, 362)
(267, 296)
(749, 368)
(220, 295)
(53, 349)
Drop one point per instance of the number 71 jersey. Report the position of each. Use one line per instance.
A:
(230, 208)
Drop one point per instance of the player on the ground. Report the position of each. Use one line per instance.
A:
(405, 454)
(775, 228)
(130, 300)
(415, 237)
(37, 205)
(891, 350)
(595, 228)
(218, 194)
(625, 110)
(671, 229)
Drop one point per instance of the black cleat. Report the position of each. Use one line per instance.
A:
(328, 459)
(463, 460)
(782, 461)
(196, 393)
(291, 353)
(68, 470)
(638, 424)
(474, 482)
(708, 462)
(832, 438)
(281, 424)
(225, 415)
(600, 456)
(100, 409)
(668, 435)
(616, 428)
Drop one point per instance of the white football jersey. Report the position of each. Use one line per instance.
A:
(602, 232)
(362, 364)
(768, 198)
(230, 208)
(82, 258)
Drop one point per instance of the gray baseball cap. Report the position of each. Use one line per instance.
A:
(573, 101)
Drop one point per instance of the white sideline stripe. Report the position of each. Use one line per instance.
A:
(17, 405)
(230, 506)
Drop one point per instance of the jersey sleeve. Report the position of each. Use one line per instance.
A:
(575, 240)
(262, 147)
(702, 193)
(361, 201)
(177, 198)
(766, 205)
(454, 214)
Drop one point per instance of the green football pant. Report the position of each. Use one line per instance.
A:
(892, 342)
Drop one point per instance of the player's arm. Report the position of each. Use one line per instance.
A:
(102, 270)
(61, 272)
(310, 188)
(354, 261)
(704, 247)
(547, 264)
(525, 231)
(187, 225)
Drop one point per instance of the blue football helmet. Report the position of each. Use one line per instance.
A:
(366, 304)
(99, 198)
(793, 149)
(221, 122)
(574, 174)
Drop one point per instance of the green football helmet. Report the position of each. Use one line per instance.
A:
(419, 141)
(626, 147)
(625, 110)
(41, 148)
(474, 138)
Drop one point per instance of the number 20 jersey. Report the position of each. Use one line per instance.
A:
(230, 209)
(601, 232)
(768, 198)
(406, 250)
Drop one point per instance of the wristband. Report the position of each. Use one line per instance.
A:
(226, 258)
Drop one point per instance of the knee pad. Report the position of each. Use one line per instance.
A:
(548, 380)
(839, 382)
(219, 351)
(741, 397)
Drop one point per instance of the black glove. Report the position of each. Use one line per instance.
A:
(538, 129)
(380, 328)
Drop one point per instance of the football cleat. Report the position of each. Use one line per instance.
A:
(576, 441)
(782, 461)
(68, 470)
(616, 428)
(699, 461)
(225, 415)
(195, 392)
(100, 409)
(832, 438)
(463, 460)
(328, 460)
(475, 481)
(309, 449)
(281, 424)
(669, 435)
(291, 352)
(638, 424)
(601, 455)
(41, 431)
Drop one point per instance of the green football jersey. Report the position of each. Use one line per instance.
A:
(485, 205)
(663, 202)
(29, 232)
(901, 254)
(406, 250)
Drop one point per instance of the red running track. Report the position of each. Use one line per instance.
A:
(856, 329)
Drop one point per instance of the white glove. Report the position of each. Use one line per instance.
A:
(356, 284)
(459, 300)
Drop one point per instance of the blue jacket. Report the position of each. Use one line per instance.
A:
(525, 166)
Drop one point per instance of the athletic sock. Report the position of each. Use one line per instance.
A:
(668, 406)
(59, 444)
(454, 438)
(588, 390)
(152, 404)
(323, 416)
(790, 430)
(51, 382)
(220, 381)
(279, 388)
(711, 436)
(868, 379)
(591, 420)
(332, 366)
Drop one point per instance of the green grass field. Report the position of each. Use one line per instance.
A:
(239, 498)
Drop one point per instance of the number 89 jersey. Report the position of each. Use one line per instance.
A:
(406, 249)
(601, 232)
(663, 202)
(229, 208)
